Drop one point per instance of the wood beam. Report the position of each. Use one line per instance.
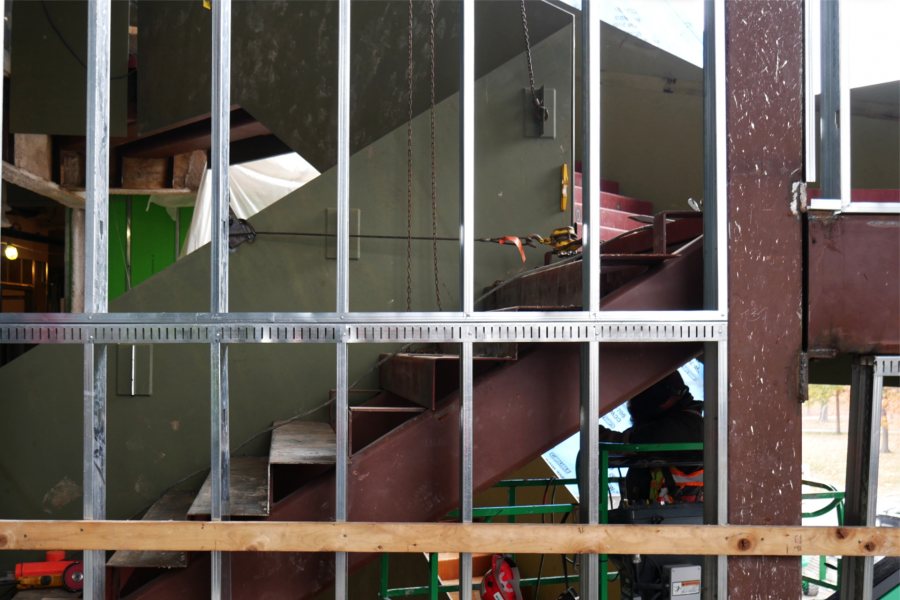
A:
(147, 173)
(33, 152)
(292, 536)
(40, 186)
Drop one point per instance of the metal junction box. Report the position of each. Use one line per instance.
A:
(684, 581)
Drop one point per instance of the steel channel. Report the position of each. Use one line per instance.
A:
(887, 366)
(830, 171)
(220, 569)
(811, 43)
(844, 104)
(419, 332)
(96, 281)
(636, 317)
(862, 471)
(342, 438)
(467, 265)
(342, 302)
(590, 352)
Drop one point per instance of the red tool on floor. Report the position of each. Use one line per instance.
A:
(56, 571)
(502, 581)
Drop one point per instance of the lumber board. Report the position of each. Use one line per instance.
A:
(42, 187)
(293, 536)
(173, 505)
(302, 443)
(249, 489)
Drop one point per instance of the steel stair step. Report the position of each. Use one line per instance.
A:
(377, 416)
(302, 443)
(171, 506)
(249, 489)
(424, 379)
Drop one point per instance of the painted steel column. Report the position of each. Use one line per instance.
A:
(715, 287)
(467, 268)
(96, 282)
(342, 408)
(590, 352)
(764, 82)
(863, 436)
(220, 444)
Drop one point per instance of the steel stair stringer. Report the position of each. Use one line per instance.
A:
(411, 474)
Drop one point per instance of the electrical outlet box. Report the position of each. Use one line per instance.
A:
(532, 127)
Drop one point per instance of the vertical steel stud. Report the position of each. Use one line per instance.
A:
(467, 268)
(830, 172)
(590, 352)
(864, 430)
(96, 276)
(220, 446)
(343, 287)
(715, 293)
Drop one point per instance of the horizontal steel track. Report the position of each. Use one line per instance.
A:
(238, 328)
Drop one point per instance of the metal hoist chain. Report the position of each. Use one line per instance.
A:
(540, 109)
(409, 165)
(434, 252)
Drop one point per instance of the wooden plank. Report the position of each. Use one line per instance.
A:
(43, 187)
(188, 169)
(317, 536)
(33, 152)
(302, 443)
(148, 173)
(71, 169)
(173, 505)
(249, 489)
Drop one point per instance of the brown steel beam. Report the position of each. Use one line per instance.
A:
(854, 284)
(764, 88)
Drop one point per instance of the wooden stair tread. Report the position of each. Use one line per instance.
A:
(249, 489)
(171, 506)
(448, 566)
(302, 443)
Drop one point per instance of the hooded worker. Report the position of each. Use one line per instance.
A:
(666, 412)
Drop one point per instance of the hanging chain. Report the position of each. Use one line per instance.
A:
(434, 252)
(409, 165)
(539, 108)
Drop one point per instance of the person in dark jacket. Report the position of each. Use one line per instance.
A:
(666, 412)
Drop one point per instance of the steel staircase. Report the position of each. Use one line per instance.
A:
(404, 439)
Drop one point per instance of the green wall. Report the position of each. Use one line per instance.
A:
(156, 440)
(152, 240)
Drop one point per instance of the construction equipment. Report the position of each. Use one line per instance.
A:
(54, 572)
(563, 240)
(502, 581)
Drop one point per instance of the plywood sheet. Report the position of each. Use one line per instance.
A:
(249, 489)
(302, 443)
(172, 506)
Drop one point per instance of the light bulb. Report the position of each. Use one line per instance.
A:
(11, 252)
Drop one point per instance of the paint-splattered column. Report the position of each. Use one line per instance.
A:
(764, 67)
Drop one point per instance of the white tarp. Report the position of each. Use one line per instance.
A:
(254, 186)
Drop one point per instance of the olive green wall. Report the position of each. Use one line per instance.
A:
(875, 152)
(156, 440)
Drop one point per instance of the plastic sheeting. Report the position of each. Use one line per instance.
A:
(254, 186)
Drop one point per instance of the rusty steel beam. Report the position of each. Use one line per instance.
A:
(521, 410)
(764, 86)
(854, 284)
